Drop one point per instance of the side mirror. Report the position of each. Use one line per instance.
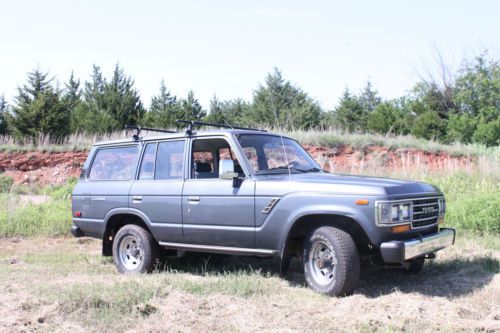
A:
(226, 170)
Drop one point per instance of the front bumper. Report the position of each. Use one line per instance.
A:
(399, 251)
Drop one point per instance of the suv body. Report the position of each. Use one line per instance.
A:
(248, 192)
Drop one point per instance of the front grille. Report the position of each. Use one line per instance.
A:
(425, 212)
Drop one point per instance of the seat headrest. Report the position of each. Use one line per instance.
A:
(202, 167)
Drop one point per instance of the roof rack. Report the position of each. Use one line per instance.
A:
(138, 129)
(191, 124)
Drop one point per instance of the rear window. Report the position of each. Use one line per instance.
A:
(114, 163)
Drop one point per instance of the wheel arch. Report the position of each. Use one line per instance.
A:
(118, 218)
(303, 225)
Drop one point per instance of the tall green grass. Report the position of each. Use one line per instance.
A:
(473, 203)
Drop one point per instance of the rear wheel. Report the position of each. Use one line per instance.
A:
(135, 250)
(331, 262)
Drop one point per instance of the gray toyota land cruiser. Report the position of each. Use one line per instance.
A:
(248, 192)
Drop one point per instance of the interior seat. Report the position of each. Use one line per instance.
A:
(203, 170)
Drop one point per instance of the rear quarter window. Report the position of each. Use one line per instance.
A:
(117, 163)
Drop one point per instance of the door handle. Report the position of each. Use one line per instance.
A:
(136, 198)
(194, 198)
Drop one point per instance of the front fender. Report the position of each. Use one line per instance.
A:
(273, 232)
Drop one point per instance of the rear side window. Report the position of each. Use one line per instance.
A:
(148, 162)
(170, 160)
(114, 163)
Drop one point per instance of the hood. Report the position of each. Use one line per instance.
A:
(340, 183)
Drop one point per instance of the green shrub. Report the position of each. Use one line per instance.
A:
(5, 183)
(479, 213)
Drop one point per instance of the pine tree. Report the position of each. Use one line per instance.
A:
(191, 108)
(39, 110)
(72, 98)
(216, 114)
(349, 115)
(4, 110)
(279, 99)
(164, 109)
(122, 100)
(369, 98)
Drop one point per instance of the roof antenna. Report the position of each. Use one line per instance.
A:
(281, 135)
(227, 123)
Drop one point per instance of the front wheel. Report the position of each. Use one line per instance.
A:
(331, 261)
(135, 250)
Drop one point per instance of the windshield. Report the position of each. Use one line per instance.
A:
(272, 154)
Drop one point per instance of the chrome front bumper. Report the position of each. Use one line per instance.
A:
(399, 251)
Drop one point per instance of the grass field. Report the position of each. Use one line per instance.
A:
(63, 284)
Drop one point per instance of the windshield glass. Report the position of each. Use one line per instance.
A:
(269, 154)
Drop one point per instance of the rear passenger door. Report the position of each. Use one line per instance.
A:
(158, 188)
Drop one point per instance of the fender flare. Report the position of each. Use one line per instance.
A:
(126, 210)
(339, 210)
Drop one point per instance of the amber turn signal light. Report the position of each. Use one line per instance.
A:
(400, 228)
(441, 220)
(362, 202)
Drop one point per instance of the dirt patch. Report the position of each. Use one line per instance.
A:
(54, 168)
(346, 159)
(42, 167)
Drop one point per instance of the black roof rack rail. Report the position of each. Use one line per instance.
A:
(138, 129)
(192, 124)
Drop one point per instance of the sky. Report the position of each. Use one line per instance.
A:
(228, 47)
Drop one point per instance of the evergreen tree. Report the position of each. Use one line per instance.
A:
(164, 109)
(4, 110)
(122, 100)
(279, 99)
(216, 113)
(191, 108)
(72, 98)
(350, 115)
(39, 110)
(369, 98)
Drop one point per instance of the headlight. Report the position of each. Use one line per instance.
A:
(394, 213)
(442, 206)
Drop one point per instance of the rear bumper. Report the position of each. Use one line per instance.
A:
(399, 251)
(76, 231)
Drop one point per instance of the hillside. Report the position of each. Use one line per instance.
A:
(45, 168)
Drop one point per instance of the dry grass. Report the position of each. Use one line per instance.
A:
(328, 138)
(63, 284)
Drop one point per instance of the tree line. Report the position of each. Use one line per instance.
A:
(465, 107)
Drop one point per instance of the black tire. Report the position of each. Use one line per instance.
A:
(135, 250)
(329, 242)
(416, 265)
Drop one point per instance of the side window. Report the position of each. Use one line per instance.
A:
(206, 155)
(114, 163)
(170, 160)
(147, 170)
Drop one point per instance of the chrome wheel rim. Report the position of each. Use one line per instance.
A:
(131, 252)
(322, 263)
